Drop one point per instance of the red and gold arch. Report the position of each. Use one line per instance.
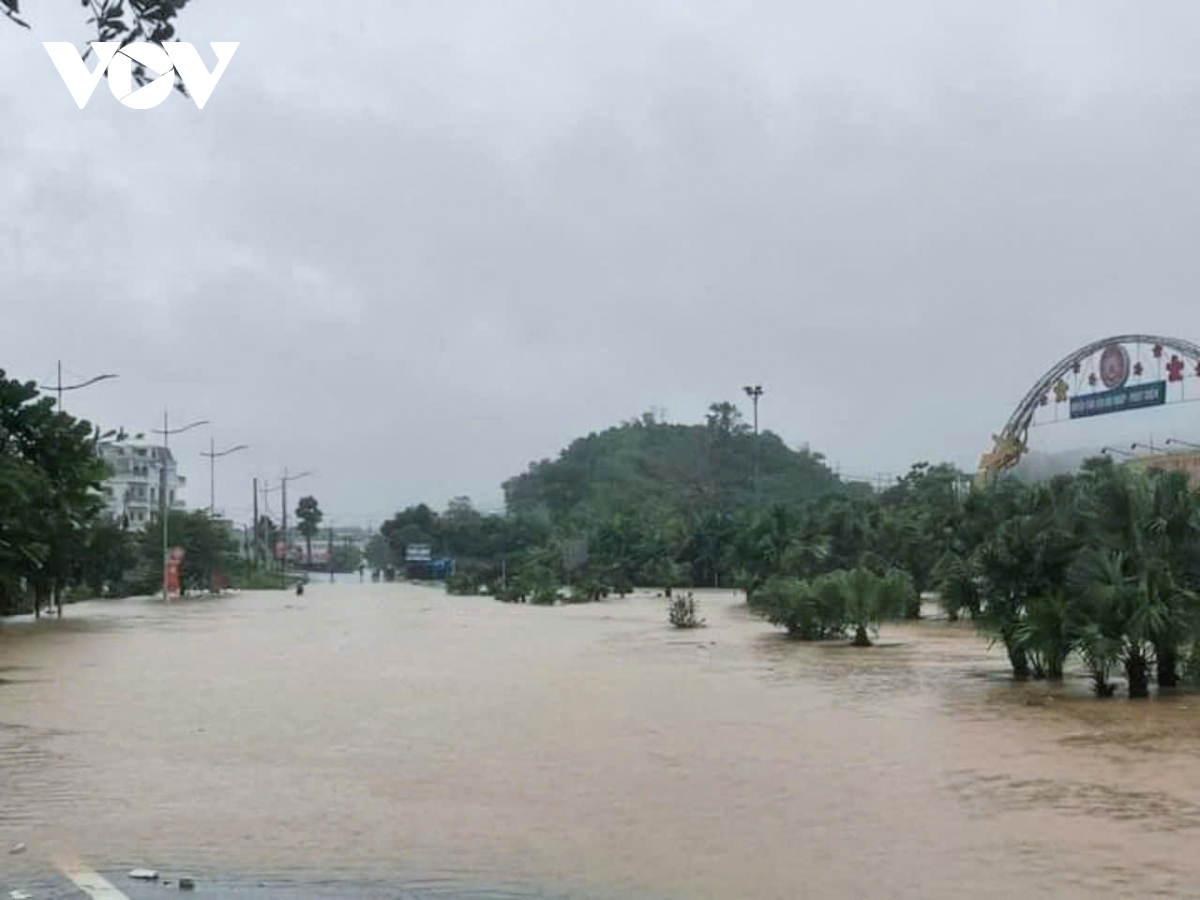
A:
(1116, 374)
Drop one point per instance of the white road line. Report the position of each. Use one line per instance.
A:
(91, 883)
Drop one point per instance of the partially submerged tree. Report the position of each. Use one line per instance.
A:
(309, 514)
(871, 599)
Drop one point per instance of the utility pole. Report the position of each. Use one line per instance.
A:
(287, 545)
(283, 483)
(266, 511)
(331, 553)
(257, 529)
(163, 505)
(754, 393)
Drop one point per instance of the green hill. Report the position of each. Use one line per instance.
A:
(646, 465)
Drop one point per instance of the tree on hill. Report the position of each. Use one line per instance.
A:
(685, 470)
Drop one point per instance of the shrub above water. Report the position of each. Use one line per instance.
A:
(809, 610)
(683, 612)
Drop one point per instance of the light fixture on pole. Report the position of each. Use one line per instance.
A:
(1183, 443)
(59, 388)
(754, 393)
(163, 506)
(1107, 451)
(213, 456)
(1135, 445)
(283, 483)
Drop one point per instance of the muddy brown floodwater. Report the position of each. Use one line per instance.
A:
(365, 731)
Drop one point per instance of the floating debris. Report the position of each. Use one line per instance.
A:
(186, 884)
(144, 875)
(17, 848)
(20, 895)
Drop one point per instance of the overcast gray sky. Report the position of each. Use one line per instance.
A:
(420, 244)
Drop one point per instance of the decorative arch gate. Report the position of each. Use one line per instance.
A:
(1125, 372)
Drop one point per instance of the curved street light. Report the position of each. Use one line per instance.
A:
(1183, 443)
(1109, 450)
(213, 456)
(1150, 447)
(166, 431)
(60, 388)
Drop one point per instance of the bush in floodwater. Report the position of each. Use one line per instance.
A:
(809, 610)
(622, 584)
(463, 584)
(544, 595)
(869, 598)
(588, 590)
(683, 612)
(512, 593)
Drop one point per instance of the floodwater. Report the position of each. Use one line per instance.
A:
(391, 732)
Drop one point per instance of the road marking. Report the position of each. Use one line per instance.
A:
(91, 883)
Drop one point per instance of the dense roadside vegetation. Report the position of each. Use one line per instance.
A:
(56, 541)
(1100, 569)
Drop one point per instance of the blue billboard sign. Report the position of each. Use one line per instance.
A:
(1124, 398)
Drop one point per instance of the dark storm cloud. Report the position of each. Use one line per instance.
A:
(440, 240)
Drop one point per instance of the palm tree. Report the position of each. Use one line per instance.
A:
(1049, 632)
(310, 516)
(957, 584)
(1147, 529)
(1026, 556)
(871, 598)
(1130, 607)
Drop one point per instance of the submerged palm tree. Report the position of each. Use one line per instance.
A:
(871, 598)
(1128, 607)
(1140, 575)
(1025, 557)
(1048, 633)
(958, 585)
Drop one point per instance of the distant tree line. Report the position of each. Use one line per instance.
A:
(1100, 568)
(646, 502)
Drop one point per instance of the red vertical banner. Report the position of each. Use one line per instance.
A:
(174, 570)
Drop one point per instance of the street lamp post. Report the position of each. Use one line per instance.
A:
(213, 456)
(59, 388)
(166, 432)
(1183, 443)
(754, 393)
(266, 492)
(1110, 450)
(283, 483)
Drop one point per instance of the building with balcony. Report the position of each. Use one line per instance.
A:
(131, 492)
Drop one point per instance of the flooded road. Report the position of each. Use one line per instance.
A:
(389, 733)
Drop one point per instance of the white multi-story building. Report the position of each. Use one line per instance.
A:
(132, 491)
